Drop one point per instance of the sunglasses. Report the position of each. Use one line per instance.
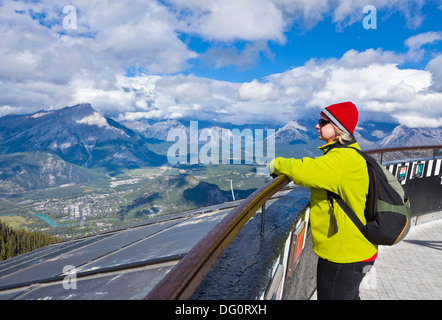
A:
(322, 122)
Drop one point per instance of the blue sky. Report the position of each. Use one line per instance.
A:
(237, 61)
(324, 40)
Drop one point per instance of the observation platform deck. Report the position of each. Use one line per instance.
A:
(412, 269)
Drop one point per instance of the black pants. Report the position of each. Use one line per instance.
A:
(340, 281)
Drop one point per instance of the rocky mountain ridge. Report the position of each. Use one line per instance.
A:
(79, 135)
(293, 132)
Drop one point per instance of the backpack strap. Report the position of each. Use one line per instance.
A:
(344, 206)
(338, 145)
(330, 199)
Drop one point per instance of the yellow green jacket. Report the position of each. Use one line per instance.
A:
(344, 172)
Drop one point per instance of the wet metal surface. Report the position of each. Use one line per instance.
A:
(106, 262)
(243, 269)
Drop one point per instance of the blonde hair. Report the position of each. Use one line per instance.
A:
(341, 136)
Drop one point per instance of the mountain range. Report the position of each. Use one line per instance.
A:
(299, 138)
(83, 137)
(403, 136)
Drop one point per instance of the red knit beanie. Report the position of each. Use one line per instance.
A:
(344, 115)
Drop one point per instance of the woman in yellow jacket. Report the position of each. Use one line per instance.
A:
(345, 255)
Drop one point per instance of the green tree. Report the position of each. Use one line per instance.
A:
(19, 241)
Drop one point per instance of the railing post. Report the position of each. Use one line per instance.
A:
(263, 215)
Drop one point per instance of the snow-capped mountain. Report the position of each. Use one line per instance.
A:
(82, 136)
(403, 136)
(156, 130)
(302, 135)
(293, 133)
(79, 135)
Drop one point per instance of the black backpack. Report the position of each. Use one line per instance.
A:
(387, 211)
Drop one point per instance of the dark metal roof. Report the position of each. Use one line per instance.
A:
(120, 264)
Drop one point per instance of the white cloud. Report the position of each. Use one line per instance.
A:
(119, 35)
(435, 67)
(309, 13)
(42, 64)
(349, 12)
(371, 84)
(257, 91)
(141, 34)
(354, 58)
(268, 20)
(230, 20)
(419, 40)
(297, 93)
(419, 120)
(378, 89)
(94, 119)
(176, 97)
(415, 44)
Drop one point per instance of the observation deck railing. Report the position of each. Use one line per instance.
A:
(381, 152)
(181, 282)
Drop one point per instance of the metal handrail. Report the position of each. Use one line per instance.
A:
(396, 149)
(185, 277)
